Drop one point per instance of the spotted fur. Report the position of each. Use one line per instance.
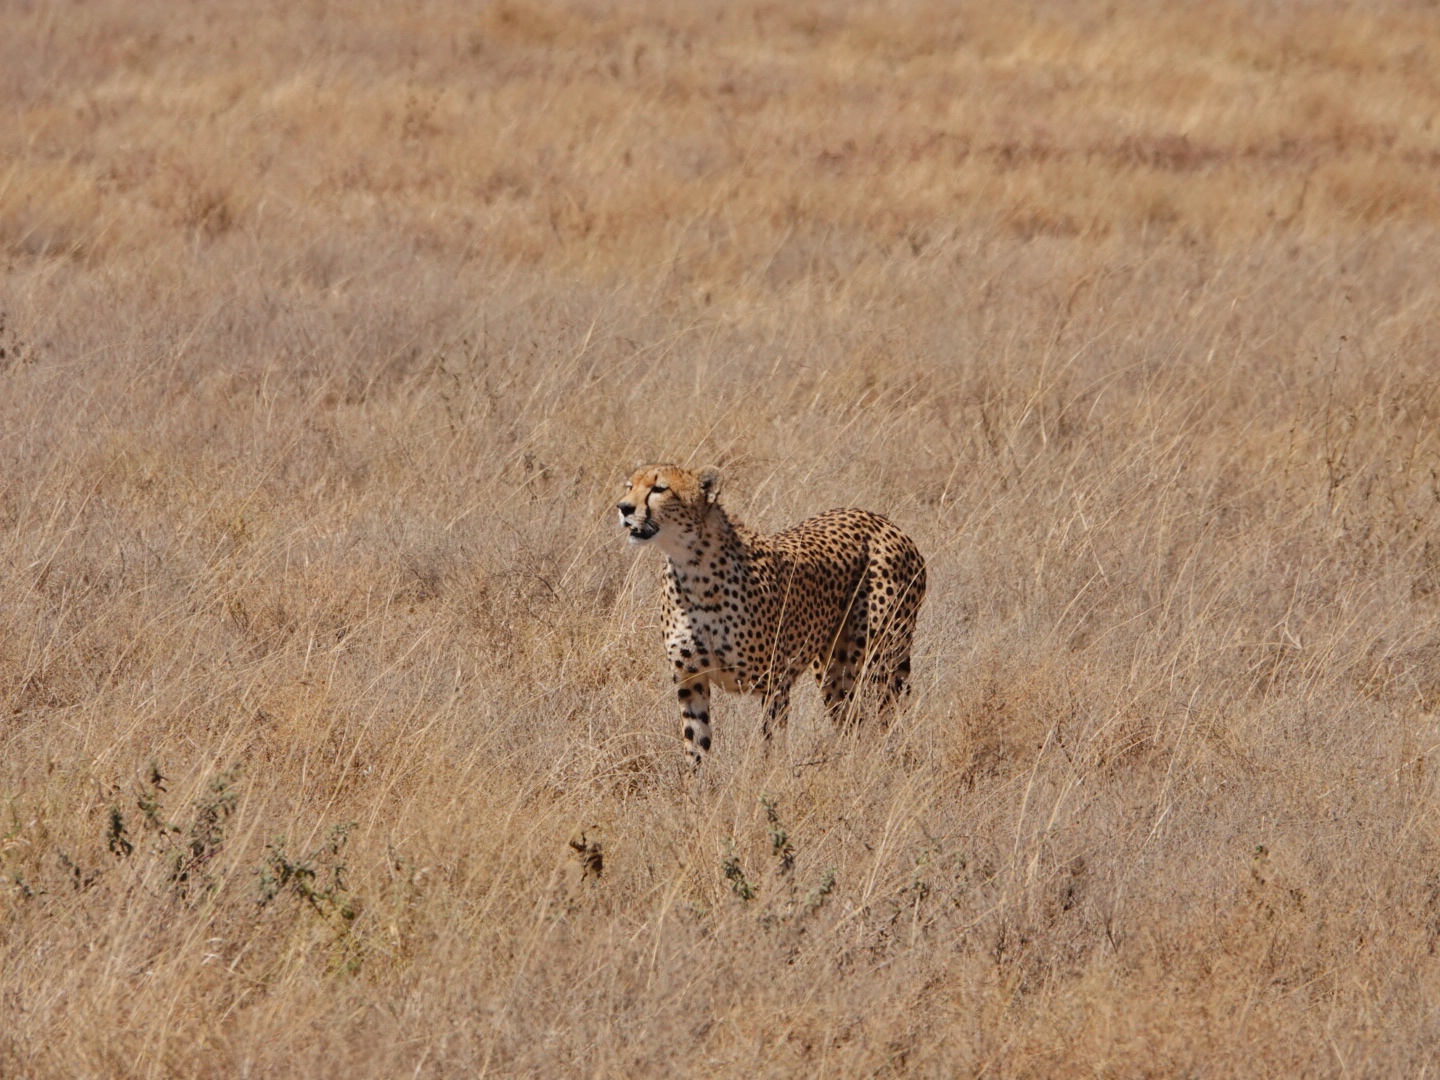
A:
(837, 593)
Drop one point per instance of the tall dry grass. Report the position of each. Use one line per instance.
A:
(335, 736)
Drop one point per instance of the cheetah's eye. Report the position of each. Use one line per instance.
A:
(657, 488)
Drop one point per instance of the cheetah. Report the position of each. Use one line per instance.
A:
(748, 612)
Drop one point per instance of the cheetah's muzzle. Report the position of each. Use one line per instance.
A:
(644, 531)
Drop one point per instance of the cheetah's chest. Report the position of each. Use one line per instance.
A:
(712, 615)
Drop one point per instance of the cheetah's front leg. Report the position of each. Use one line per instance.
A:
(693, 690)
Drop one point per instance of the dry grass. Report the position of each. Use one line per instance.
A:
(335, 736)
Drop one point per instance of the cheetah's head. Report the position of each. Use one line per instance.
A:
(667, 502)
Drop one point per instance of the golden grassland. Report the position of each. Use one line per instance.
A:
(335, 734)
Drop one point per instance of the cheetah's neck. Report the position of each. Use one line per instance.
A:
(718, 539)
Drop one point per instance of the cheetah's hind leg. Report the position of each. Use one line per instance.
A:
(777, 707)
(838, 673)
(891, 624)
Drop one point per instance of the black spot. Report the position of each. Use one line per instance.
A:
(684, 693)
(689, 732)
(704, 742)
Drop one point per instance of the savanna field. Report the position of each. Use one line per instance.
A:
(336, 735)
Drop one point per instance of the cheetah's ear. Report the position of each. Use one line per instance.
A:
(710, 484)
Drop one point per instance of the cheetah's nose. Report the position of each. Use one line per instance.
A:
(626, 509)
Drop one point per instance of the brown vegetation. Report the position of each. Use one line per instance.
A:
(335, 735)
